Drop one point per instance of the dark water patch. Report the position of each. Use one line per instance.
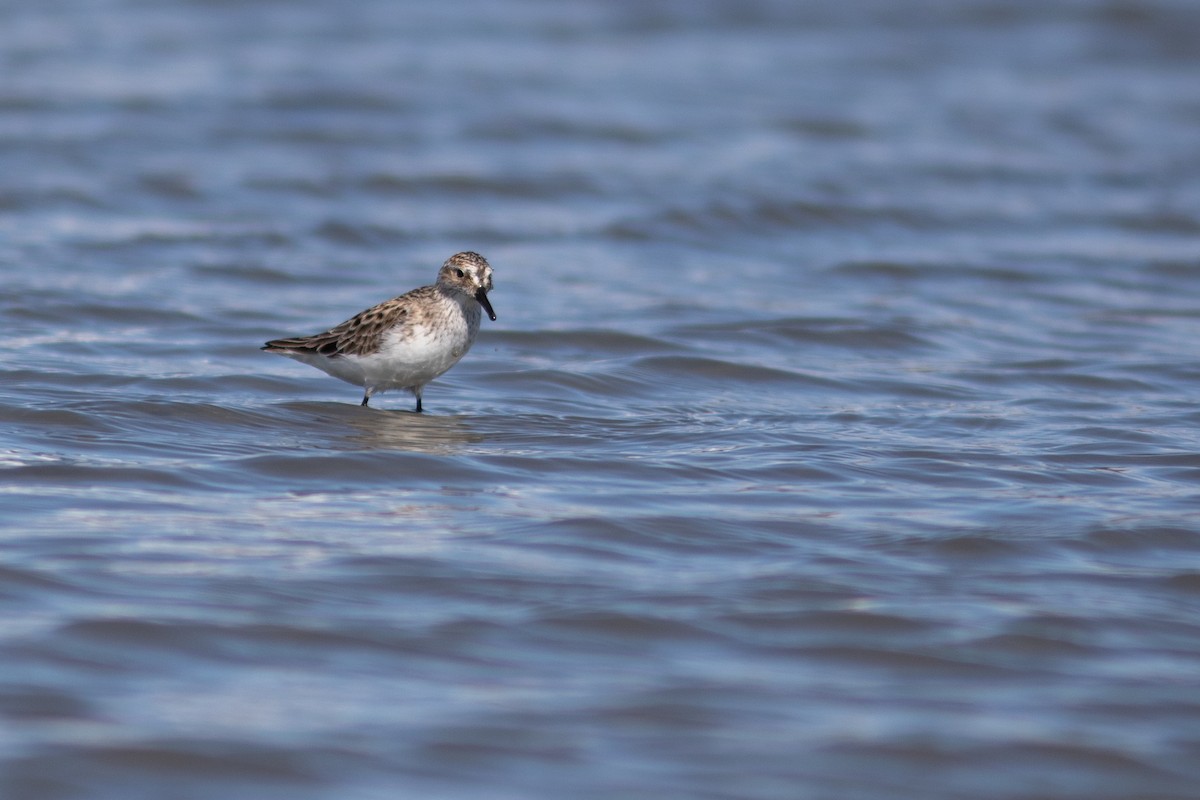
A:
(892, 270)
(726, 217)
(1072, 378)
(849, 333)
(609, 535)
(977, 546)
(896, 662)
(154, 768)
(52, 420)
(1078, 404)
(243, 272)
(340, 231)
(115, 430)
(474, 185)
(1160, 221)
(777, 477)
(149, 235)
(615, 631)
(1188, 269)
(32, 704)
(679, 535)
(917, 386)
(561, 384)
(1144, 321)
(171, 185)
(349, 471)
(1030, 175)
(826, 127)
(1187, 582)
(913, 271)
(581, 130)
(1132, 436)
(16, 582)
(89, 478)
(1092, 473)
(598, 549)
(180, 392)
(1039, 364)
(586, 344)
(979, 420)
(284, 645)
(397, 572)
(1086, 454)
(935, 469)
(316, 98)
(82, 315)
(256, 386)
(33, 198)
(1043, 763)
(794, 627)
(1018, 649)
(707, 370)
(638, 537)
(1140, 539)
(307, 185)
(105, 639)
(453, 749)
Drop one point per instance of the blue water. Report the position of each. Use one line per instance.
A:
(836, 438)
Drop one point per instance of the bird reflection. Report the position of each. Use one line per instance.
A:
(381, 429)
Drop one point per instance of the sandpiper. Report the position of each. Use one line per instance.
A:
(405, 342)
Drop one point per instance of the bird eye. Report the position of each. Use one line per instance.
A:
(458, 272)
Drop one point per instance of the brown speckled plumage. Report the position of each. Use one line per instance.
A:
(405, 342)
(360, 335)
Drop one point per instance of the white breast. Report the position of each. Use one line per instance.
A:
(415, 355)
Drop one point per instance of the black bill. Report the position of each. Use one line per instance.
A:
(481, 296)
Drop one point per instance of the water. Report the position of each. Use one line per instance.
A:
(837, 437)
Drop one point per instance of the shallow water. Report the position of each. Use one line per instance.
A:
(836, 439)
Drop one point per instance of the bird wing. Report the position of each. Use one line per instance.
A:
(360, 335)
